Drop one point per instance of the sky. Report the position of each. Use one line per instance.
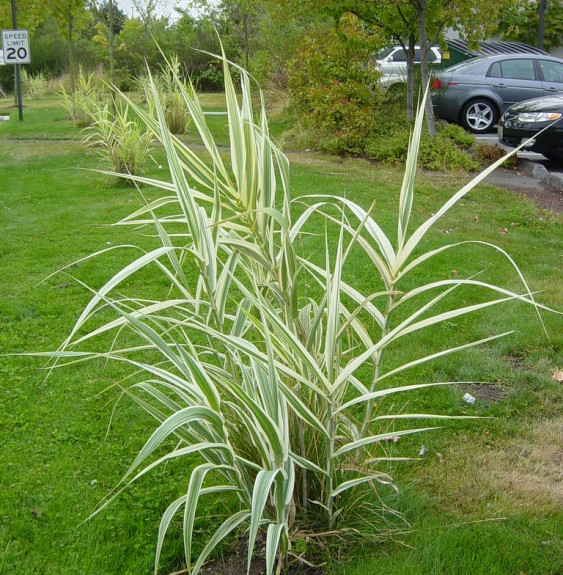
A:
(127, 6)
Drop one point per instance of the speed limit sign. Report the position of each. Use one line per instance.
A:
(16, 46)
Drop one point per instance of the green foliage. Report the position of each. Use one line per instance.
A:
(330, 89)
(340, 112)
(170, 93)
(459, 136)
(83, 101)
(439, 153)
(269, 364)
(33, 86)
(122, 143)
(210, 79)
(520, 23)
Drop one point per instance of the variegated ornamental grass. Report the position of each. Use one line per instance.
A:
(268, 365)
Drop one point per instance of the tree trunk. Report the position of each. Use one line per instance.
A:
(110, 42)
(424, 76)
(111, 58)
(410, 52)
(70, 30)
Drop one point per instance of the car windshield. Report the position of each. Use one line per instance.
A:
(384, 53)
(463, 65)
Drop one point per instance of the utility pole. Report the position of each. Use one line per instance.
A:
(17, 66)
(543, 10)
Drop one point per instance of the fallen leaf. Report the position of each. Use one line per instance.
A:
(558, 375)
(477, 219)
(440, 457)
(455, 272)
(502, 231)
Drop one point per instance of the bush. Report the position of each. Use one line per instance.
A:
(330, 88)
(268, 365)
(492, 152)
(458, 135)
(448, 150)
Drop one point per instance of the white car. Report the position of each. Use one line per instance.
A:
(392, 63)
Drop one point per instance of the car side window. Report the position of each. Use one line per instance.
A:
(432, 56)
(518, 69)
(495, 71)
(399, 56)
(552, 71)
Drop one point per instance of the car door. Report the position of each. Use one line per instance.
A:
(514, 80)
(398, 63)
(552, 76)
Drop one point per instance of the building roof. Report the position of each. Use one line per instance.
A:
(493, 48)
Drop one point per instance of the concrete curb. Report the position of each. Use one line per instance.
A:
(540, 173)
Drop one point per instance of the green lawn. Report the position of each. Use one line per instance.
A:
(486, 498)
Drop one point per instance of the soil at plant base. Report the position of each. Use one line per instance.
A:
(516, 181)
(235, 563)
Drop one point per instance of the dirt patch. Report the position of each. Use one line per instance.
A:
(486, 392)
(525, 472)
(534, 470)
(235, 563)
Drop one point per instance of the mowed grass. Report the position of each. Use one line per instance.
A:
(486, 497)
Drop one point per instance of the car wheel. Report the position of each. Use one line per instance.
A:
(479, 116)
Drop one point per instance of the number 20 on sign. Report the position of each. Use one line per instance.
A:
(16, 46)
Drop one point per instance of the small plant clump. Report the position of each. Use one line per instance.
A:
(82, 102)
(492, 152)
(170, 89)
(34, 86)
(121, 142)
(268, 364)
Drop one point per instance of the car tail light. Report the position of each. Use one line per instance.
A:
(437, 84)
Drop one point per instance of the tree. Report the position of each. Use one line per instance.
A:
(147, 11)
(112, 20)
(520, 23)
(72, 17)
(106, 10)
(408, 22)
(30, 14)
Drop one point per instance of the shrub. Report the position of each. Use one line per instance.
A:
(331, 91)
(267, 364)
(492, 152)
(439, 153)
(210, 79)
(458, 135)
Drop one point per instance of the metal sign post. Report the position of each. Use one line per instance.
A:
(16, 51)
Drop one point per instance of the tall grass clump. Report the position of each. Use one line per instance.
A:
(169, 91)
(82, 102)
(123, 144)
(270, 365)
(34, 86)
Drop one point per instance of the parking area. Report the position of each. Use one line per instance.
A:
(536, 177)
(536, 165)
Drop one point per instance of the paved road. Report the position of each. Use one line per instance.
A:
(536, 177)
